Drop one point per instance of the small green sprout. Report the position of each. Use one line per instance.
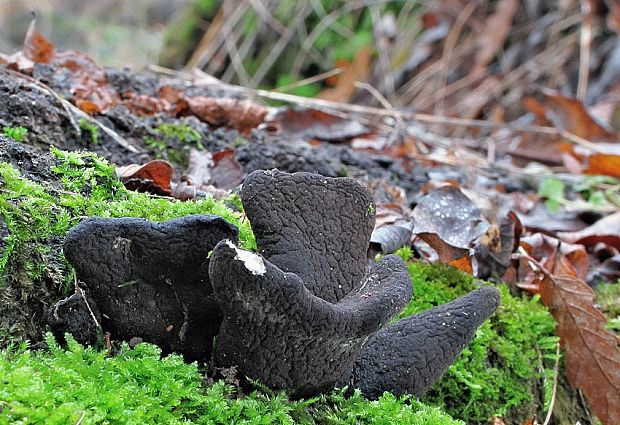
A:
(16, 133)
(90, 127)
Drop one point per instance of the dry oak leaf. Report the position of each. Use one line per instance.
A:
(450, 223)
(242, 115)
(570, 114)
(592, 353)
(542, 248)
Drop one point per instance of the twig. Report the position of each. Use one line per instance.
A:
(113, 135)
(269, 19)
(309, 80)
(384, 63)
(556, 369)
(428, 118)
(80, 292)
(400, 123)
(278, 48)
(585, 44)
(327, 22)
(233, 52)
(533, 262)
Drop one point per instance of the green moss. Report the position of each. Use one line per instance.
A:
(81, 385)
(91, 128)
(608, 301)
(183, 132)
(33, 274)
(90, 188)
(16, 133)
(173, 141)
(508, 362)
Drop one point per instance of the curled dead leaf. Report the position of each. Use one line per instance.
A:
(145, 105)
(449, 222)
(393, 222)
(36, 47)
(227, 173)
(306, 124)
(153, 177)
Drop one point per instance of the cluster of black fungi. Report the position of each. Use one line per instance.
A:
(305, 314)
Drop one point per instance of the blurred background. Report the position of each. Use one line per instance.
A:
(113, 32)
(471, 59)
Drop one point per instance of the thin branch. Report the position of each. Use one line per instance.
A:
(79, 422)
(585, 45)
(449, 45)
(309, 80)
(382, 45)
(233, 53)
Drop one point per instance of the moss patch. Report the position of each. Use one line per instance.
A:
(507, 370)
(33, 273)
(173, 141)
(139, 387)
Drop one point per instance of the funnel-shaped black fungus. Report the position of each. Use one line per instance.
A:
(316, 227)
(145, 278)
(277, 331)
(303, 316)
(411, 354)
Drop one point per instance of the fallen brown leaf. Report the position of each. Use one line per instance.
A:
(153, 177)
(306, 124)
(227, 173)
(145, 105)
(567, 113)
(393, 223)
(357, 70)
(592, 354)
(608, 165)
(543, 247)
(36, 47)
(242, 115)
(606, 230)
(449, 222)
(494, 249)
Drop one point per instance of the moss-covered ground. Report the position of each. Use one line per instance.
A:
(506, 371)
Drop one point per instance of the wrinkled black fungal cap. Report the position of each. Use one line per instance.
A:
(145, 278)
(275, 330)
(316, 227)
(411, 354)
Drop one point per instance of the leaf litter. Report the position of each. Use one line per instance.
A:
(496, 116)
